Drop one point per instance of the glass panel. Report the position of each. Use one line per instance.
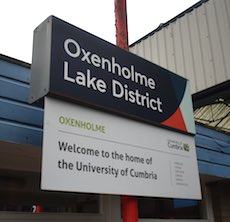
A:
(169, 208)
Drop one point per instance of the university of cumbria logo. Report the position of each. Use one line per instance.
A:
(178, 145)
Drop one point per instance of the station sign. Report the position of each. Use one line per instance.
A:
(114, 123)
(70, 63)
(86, 150)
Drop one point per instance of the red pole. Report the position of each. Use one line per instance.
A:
(129, 209)
(129, 204)
(121, 24)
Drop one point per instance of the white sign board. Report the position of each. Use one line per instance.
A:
(86, 150)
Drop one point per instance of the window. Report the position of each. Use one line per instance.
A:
(22, 194)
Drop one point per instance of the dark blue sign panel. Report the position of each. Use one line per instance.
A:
(77, 65)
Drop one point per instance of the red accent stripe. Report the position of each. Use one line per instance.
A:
(176, 121)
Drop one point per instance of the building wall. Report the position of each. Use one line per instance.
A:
(21, 127)
(194, 44)
(22, 123)
(19, 122)
(221, 200)
(213, 152)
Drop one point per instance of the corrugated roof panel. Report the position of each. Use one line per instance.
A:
(178, 49)
(216, 45)
(196, 49)
(163, 59)
(223, 19)
(147, 49)
(224, 125)
(194, 44)
(216, 116)
(187, 51)
(154, 49)
(169, 40)
(206, 52)
(140, 49)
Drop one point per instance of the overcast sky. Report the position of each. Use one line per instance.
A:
(18, 19)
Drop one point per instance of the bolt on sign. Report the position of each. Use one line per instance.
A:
(111, 115)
